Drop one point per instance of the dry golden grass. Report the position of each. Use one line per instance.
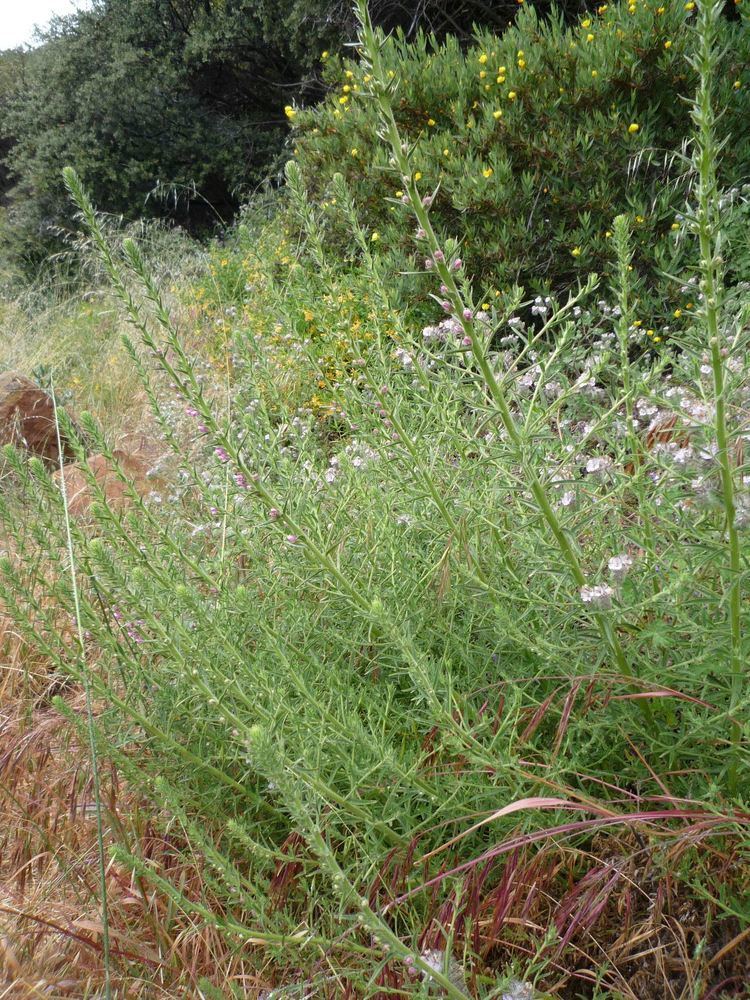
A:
(50, 916)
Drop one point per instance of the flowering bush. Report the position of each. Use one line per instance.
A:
(450, 693)
(534, 141)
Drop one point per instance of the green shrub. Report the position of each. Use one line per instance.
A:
(533, 181)
(366, 677)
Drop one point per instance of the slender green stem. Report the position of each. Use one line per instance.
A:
(711, 284)
(89, 713)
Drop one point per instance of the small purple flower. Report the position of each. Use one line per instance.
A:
(221, 454)
(466, 341)
(241, 481)
(213, 511)
(420, 233)
(191, 411)
(447, 306)
(457, 264)
(117, 614)
(274, 513)
(468, 315)
(439, 256)
(427, 200)
(202, 429)
(428, 264)
(292, 539)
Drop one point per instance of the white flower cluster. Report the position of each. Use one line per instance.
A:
(358, 455)
(619, 566)
(599, 597)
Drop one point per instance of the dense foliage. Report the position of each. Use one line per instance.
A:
(173, 107)
(422, 634)
(532, 142)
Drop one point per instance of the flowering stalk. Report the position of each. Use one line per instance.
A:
(708, 227)
(624, 255)
(381, 89)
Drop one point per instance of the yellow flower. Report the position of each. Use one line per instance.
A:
(667, 44)
(290, 112)
(660, 10)
(487, 172)
(520, 54)
(633, 128)
(483, 74)
(485, 305)
(589, 37)
(677, 313)
(344, 99)
(502, 70)
(601, 9)
(737, 84)
(576, 252)
(522, 64)
(375, 237)
(657, 339)
(349, 75)
(355, 151)
(483, 58)
(639, 219)
(367, 78)
(418, 175)
(631, 8)
(497, 114)
(608, 233)
(346, 88)
(512, 95)
(431, 122)
(324, 55)
(501, 79)
(675, 225)
(638, 322)
(446, 152)
(594, 73)
(690, 5)
(586, 23)
(399, 194)
(649, 333)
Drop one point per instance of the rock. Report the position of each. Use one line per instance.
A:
(80, 494)
(27, 418)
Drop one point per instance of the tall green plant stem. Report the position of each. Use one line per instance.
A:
(382, 87)
(708, 226)
(102, 860)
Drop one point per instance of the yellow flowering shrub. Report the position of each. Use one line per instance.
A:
(535, 140)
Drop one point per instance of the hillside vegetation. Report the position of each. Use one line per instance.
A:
(413, 663)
